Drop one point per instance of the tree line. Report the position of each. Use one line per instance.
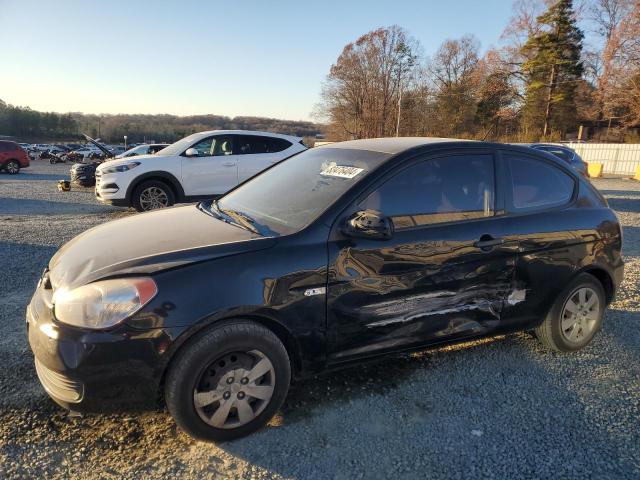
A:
(29, 125)
(541, 84)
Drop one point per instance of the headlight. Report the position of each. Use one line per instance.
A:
(103, 304)
(124, 167)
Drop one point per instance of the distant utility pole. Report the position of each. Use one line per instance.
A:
(399, 102)
(547, 112)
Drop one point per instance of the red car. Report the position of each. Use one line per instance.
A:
(12, 157)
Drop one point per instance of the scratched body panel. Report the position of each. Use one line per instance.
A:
(424, 285)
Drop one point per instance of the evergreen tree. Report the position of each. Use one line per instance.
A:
(552, 71)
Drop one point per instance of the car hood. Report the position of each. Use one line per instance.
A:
(148, 243)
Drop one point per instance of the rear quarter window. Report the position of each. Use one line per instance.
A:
(278, 144)
(537, 185)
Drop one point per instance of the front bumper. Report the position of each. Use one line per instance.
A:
(109, 191)
(88, 370)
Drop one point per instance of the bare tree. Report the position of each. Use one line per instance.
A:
(607, 14)
(453, 73)
(620, 81)
(362, 91)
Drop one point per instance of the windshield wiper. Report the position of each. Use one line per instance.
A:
(232, 217)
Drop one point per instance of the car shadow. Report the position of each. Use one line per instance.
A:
(630, 246)
(454, 404)
(19, 206)
(623, 200)
(27, 176)
(497, 402)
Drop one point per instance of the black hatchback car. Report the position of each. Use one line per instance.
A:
(341, 254)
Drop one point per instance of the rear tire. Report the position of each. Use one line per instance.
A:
(12, 167)
(151, 195)
(228, 382)
(575, 317)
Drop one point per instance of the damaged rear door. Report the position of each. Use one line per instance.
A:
(444, 274)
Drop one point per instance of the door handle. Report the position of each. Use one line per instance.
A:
(487, 242)
(229, 164)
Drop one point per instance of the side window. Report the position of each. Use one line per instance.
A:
(251, 144)
(215, 146)
(447, 189)
(538, 184)
(278, 144)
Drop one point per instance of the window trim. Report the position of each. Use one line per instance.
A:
(498, 202)
(233, 145)
(510, 209)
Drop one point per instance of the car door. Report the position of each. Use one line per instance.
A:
(256, 153)
(214, 170)
(553, 238)
(444, 273)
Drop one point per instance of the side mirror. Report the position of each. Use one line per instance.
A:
(368, 224)
(191, 152)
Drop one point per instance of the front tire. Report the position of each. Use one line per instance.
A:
(228, 382)
(12, 167)
(151, 195)
(575, 317)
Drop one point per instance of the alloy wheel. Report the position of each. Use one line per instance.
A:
(153, 197)
(13, 167)
(234, 389)
(580, 314)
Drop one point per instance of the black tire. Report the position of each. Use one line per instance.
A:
(140, 205)
(196, 358)
(12, 167)
(551, 333)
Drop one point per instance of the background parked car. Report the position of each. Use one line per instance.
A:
(144, 149)
(84, 173)
(565, 153)
(117, 150)
(199, 166)
(12, 157)
(87, 150)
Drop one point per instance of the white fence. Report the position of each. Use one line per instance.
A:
(618, 158)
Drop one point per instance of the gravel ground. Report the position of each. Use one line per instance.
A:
(497, 408)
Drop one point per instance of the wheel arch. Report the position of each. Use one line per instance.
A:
(160, 176)
(191, 334)
(9, 160)
(605, 279)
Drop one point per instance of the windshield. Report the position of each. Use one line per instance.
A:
(289, 196)
(180, 146)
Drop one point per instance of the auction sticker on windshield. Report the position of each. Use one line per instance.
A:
(342, 171)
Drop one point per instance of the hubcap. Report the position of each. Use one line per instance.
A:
(234, 389)
(153, 197)
(580, 314)
(12, 167)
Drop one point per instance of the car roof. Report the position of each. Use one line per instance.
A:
(551, 145)
(249, 132)
(393, 145)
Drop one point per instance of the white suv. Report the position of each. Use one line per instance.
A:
(202, 165)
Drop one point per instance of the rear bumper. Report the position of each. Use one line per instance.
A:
(92, 370)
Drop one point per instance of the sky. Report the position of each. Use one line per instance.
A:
(256, 58)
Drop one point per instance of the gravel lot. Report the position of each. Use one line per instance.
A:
(498, 408)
